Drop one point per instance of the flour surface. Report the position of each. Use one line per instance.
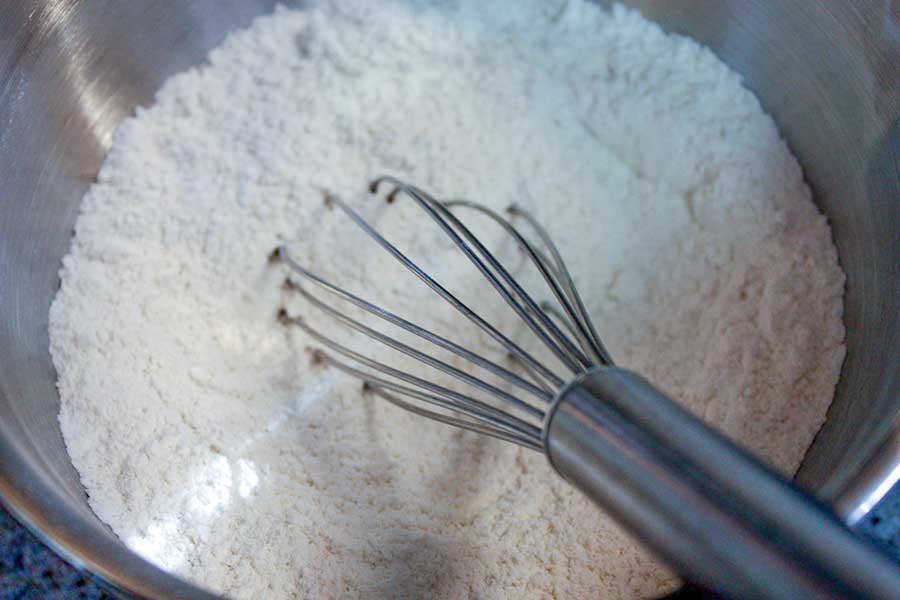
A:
(211, 445)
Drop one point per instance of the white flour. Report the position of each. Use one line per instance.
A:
(212, 447)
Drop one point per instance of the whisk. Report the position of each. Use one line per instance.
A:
(721, 518)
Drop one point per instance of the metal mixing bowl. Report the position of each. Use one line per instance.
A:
(70, 70)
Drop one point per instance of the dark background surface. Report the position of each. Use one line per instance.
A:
(29, 570)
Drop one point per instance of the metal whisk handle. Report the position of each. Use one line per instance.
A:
(718, 516)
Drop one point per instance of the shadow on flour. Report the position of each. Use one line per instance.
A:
(392, 559)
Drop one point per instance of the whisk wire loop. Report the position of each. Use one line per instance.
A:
(530, 441)
(503, 373)
(419, 355)
(586, 323)
(567, 333)
(522, 355)
(547, 331)
(435, 394)
(555, 275)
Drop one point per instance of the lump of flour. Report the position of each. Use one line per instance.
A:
(213, 448)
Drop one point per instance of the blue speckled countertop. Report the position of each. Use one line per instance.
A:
(29, 570)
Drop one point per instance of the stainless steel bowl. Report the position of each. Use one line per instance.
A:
(70, 70)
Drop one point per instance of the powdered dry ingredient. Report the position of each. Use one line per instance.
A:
(212, 447)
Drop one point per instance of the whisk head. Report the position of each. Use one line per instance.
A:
(512, 410)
